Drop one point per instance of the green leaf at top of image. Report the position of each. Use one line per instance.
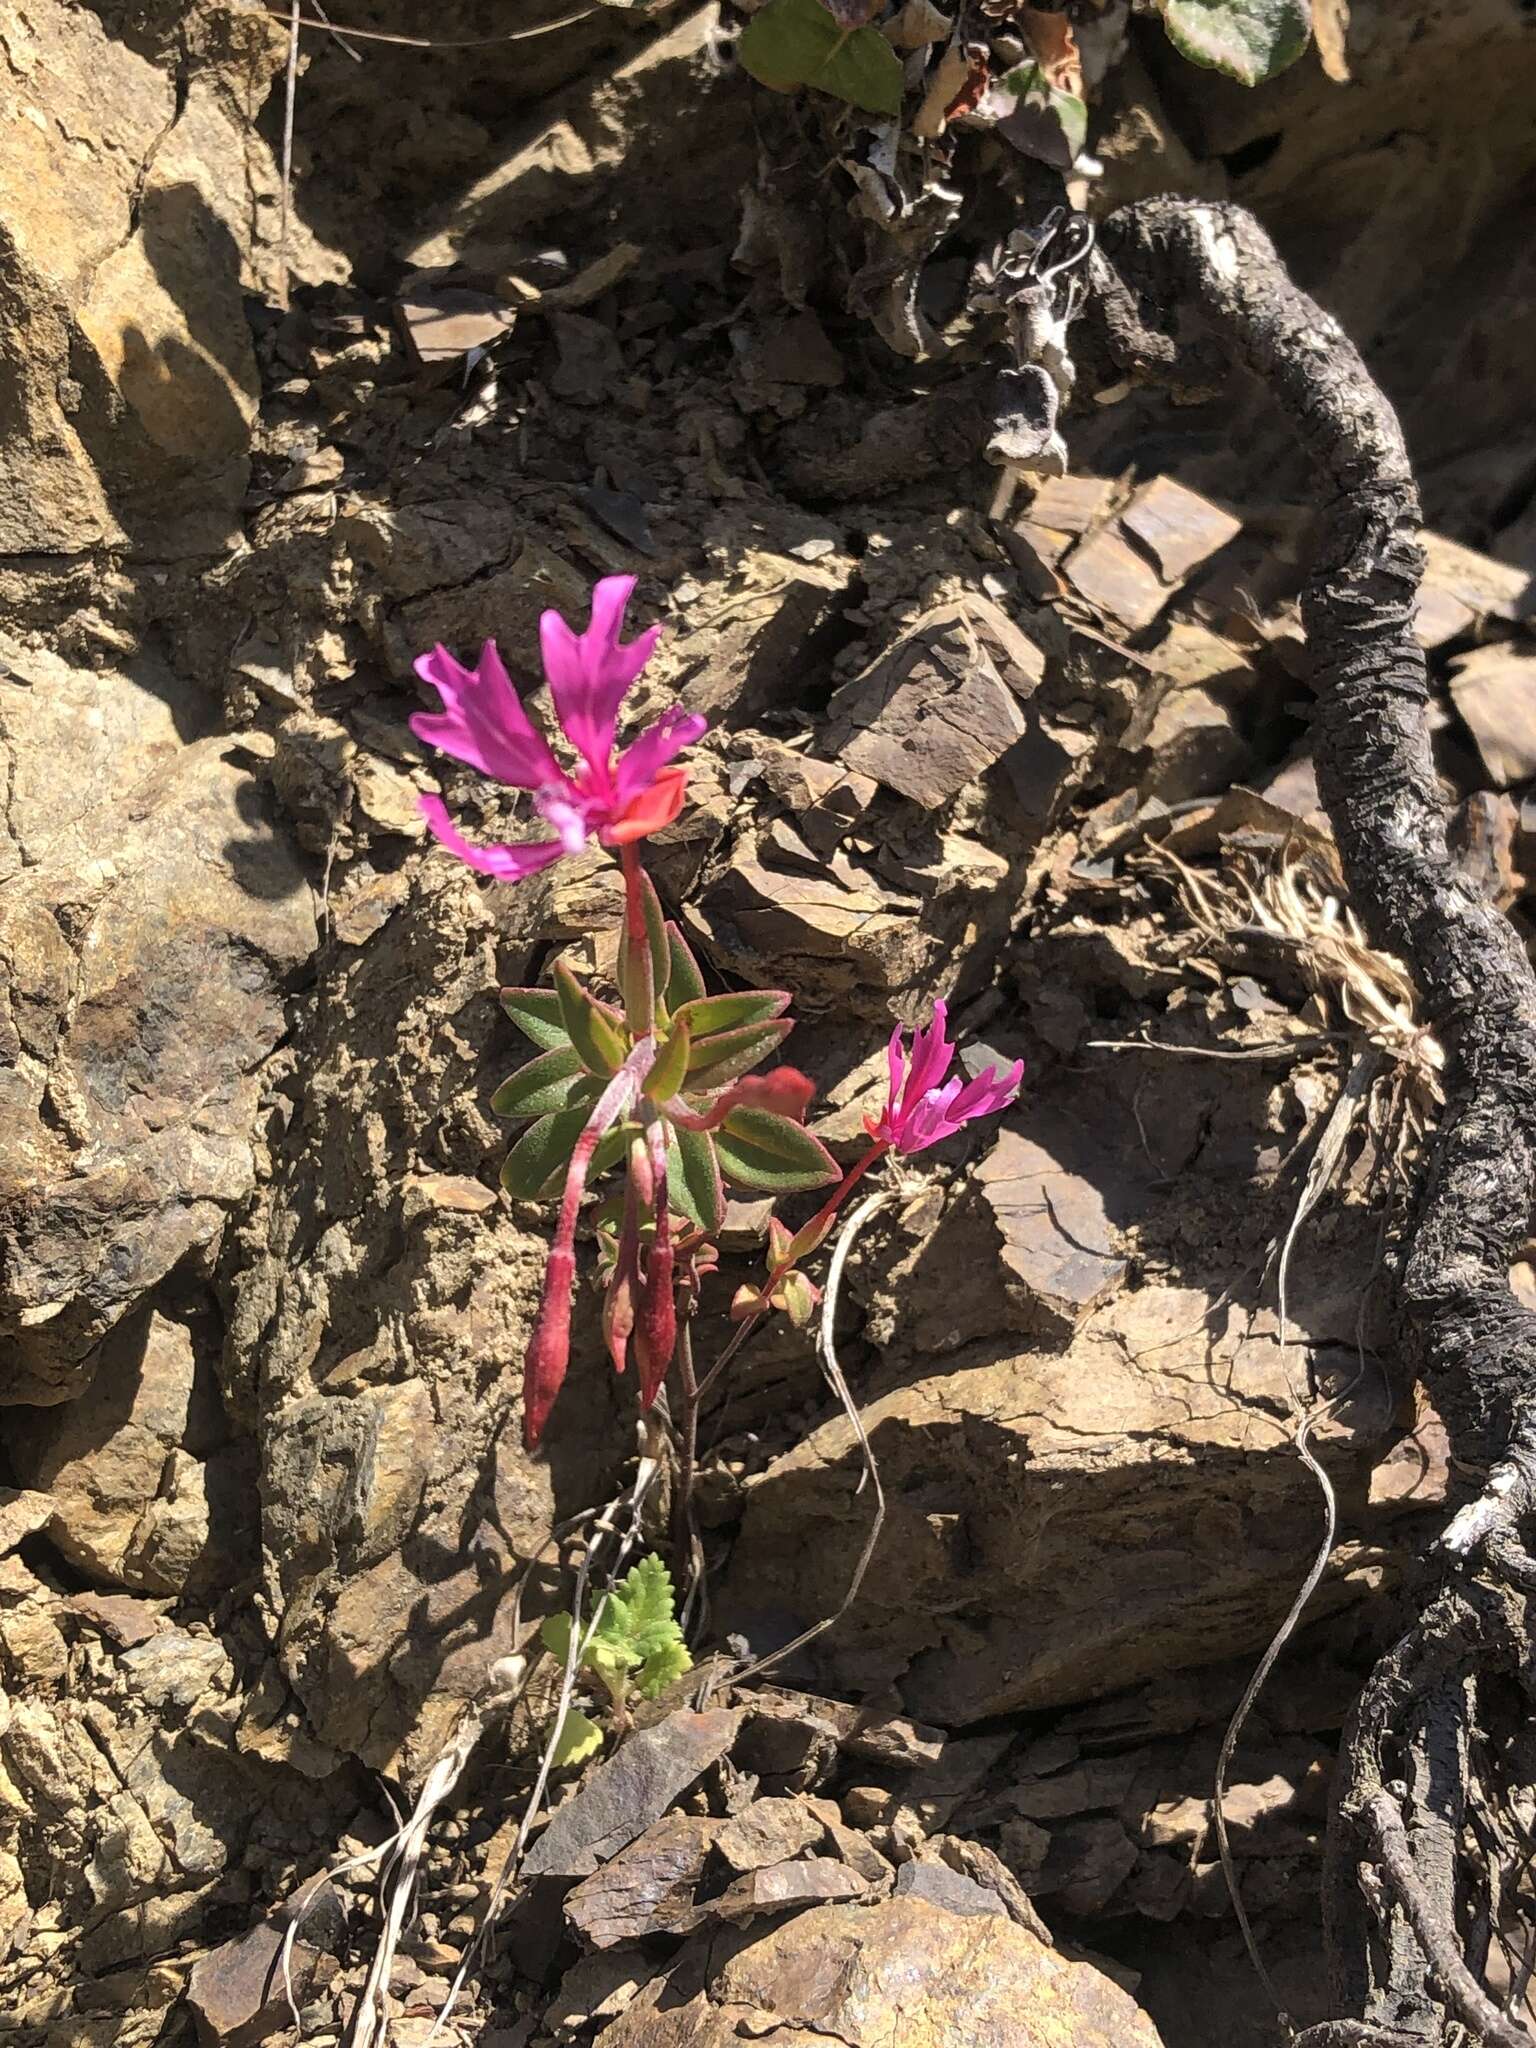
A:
(1250, 40)
(790, 43)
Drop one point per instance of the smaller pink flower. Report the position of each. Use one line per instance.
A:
(923, 1108)
(483, 723)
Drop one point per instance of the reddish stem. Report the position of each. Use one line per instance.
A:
(824, 1215)
(640, 998)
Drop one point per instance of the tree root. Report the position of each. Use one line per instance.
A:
(1179, 286)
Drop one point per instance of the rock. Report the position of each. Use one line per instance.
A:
(1116, 580)
(597, 1988)
(237, 1994)
(146, 950)
(1057, 1242)
(941, 706)
(1463, 587)
(1072, 504)
(1125, 1507)
(1494, 689)
(828, 801)
(1179, 528)
(768, 1831)
(894, 1741)
(1087, 1863)
(805, 1881)
(630, 1790)
(752, 645)
(1195, 746)
(785, 1741)
(649, 1887)
(903, 1970)
(444, 324)
(130, 1504)
(126, 192)
(951, 1889)
(22, 1514)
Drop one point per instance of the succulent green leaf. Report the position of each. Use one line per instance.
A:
(693, 1178)
(555, 1080)
(588, 1026)
(730, 1054)
(757, 1149)
(543, 1152)
(1250, 40)
(672, 1062)
(536, 1013)
(790, 43)
(578, 1739)
(726, 1013)
(798, 1297)
(685, 984)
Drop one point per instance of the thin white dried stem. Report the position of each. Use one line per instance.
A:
(1307, 1413)
(827, 1352)
(581, 1634)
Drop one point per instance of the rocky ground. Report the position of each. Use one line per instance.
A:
(262, 1303)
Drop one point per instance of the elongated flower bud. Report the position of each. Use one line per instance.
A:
(549, 1352)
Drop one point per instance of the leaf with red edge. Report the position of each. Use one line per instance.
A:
(537, 1014)
(554, 1080)
(693, 1177)
(590, 1026)
(707, 1014)
(671, 1067)
(728, 1054)
(758, 1149)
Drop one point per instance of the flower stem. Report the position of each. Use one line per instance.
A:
(688, 1447)
(635, 976)
(823, 1216)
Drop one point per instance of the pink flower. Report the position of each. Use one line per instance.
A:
(483, 723)
(923, 1108)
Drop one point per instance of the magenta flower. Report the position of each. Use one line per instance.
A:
(483, 723)
(923, 1107)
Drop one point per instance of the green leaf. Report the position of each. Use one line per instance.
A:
(760, 1150)
(1250, 40)
(550, 1082)
(611, 1147)
(693, 1177)
(656, 932)
(543, 1151)
(685, 984)
(725, 1013)
(672, 1063)
(578, 1739)
(536, 1013)
(1048, 124)
(730, 1054)
(555, 1634)
(661, 1668)
(790, 43)
(587, 1025)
